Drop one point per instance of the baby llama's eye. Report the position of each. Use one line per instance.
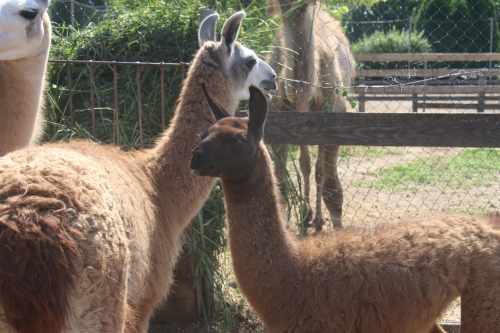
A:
(240, 144)
(251, 63)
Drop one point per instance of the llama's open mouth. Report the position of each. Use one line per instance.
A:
(268, 85)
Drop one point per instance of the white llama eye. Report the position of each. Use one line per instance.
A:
(29, 14)
(250, 64)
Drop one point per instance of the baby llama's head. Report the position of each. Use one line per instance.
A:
(229, 148)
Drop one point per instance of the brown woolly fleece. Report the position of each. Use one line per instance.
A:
(22, 82)
(313, 48)
(393, 278)
(89, 234)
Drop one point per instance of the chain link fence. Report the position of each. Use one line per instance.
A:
(77, 13)
(408, 58)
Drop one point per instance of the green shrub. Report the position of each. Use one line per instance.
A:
(459, 26)
(393, 41)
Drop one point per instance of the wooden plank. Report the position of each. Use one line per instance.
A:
(384, 81)
(424, 72)
(451, 327)
(430, 98)
(376, 129)
(477, 106)
(441, 89)
(384, 57)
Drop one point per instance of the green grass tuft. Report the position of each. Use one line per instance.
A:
(470, 168)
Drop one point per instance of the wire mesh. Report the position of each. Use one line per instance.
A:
(399, 45)
(77, 13)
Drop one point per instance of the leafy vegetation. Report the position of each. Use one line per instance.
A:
(383, 16)
(392, 41)
(469, 20)
(148, 34)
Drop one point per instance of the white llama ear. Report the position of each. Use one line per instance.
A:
(206, 33)
(204, 13)
(257, 112)
(231, 30)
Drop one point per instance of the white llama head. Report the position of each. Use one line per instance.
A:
(237, 60)
(21, 27)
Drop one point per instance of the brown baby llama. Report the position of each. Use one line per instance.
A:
(89, 234)
(397, 277)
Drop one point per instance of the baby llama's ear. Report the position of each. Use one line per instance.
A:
(217, 111)
(206, 33)
(257, 113)
(231, 30)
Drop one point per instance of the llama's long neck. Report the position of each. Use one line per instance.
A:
(300, 52)
(182, 192)
(264, 253)
(21, 87)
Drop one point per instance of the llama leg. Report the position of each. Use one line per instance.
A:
(138, 318)
(319, 174)
(280, 156)
(100, 299)
(305, 168)
(333, 194)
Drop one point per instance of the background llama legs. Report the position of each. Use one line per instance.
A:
(315, 52)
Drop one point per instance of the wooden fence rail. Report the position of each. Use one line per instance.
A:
(376, 129)
(394, 57)
(472, 81)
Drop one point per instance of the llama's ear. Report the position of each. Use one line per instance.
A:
(231, 30)
(206, 33)
(257, 113)
(45, 3)
(218, 112)
(204, 13)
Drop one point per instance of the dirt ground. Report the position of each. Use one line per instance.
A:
(366, 207)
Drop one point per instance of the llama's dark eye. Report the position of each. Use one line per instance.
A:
(29, 14)
(240, 143)
(251, 63)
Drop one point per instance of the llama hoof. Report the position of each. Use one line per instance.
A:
(318, 223)
(336, 222)
(318, 230)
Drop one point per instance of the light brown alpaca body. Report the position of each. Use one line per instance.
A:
(314, 50)
(396, 278)
(22, 83)
(89, 234)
